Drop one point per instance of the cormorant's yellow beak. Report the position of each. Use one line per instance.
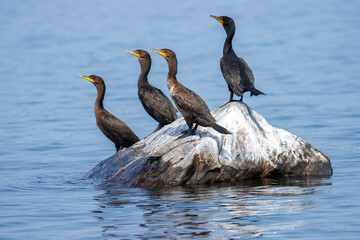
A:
(217, 18)
(133, 53)
(159, 52)
(87, 78)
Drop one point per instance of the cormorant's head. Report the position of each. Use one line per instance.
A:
(226, 22)
(139, 53)
(166, 53)
(96, 80)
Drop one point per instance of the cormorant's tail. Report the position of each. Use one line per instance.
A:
(220, 129)
(255, 92)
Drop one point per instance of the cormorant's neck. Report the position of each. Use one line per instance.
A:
(100, 97)
(172, 62)
(171, 78)
(230, 32)
(171, 83)
(145, 69)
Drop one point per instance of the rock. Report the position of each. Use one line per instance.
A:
(255, 149)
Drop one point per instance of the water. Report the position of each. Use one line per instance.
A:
(304, 54)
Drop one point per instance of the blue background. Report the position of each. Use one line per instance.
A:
(304, 55)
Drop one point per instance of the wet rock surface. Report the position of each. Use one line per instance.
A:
(254, 149)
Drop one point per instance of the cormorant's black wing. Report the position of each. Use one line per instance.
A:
(192, 103)
(247, 71)
(115, 128)
(237, 73)
(156, 100)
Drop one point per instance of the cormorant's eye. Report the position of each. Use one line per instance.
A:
(162, 50)
(137, 52)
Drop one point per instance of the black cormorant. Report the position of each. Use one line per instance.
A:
(191, 105)
(155, 102)
(235, 70)
(112, 127)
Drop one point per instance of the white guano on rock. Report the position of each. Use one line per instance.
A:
(254, 149)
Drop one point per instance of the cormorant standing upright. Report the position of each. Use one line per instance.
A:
(235, 70)
(112, 127)
(191, 105)
(155, 102)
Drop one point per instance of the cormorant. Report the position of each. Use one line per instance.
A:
(112, 127)
(191, 105)
(235, 70)
(155, 102)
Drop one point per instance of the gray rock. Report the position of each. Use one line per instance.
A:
(255, 149)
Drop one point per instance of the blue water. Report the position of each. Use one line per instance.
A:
(304, 54)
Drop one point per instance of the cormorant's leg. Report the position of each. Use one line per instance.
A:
(194, 129)
(190, 132)
(241, 99)
(187, 132)
(231, 96)
(118, 148)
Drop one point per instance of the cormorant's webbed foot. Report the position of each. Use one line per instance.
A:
(185, 134)
(191, 131)
(232, 100)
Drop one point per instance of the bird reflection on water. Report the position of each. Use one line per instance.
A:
(218, 211)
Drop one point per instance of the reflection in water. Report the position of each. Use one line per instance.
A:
(245, 210)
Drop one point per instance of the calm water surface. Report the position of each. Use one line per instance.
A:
(305, 55)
